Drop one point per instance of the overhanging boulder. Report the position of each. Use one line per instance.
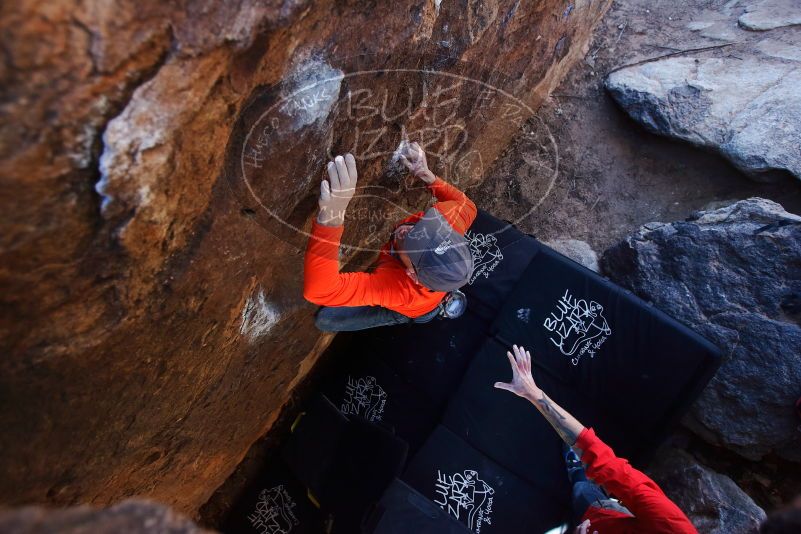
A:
(152, 324)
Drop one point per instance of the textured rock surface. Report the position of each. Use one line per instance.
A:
(770, 14)
(734, 275)
(128, 517)
(151, 322)
(712, 501)
(578, 251)
(748, 109)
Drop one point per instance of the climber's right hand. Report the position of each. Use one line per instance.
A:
(413, 158)
(337, 190)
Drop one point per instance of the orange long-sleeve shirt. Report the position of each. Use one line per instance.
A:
(654, 512)
(387, 285)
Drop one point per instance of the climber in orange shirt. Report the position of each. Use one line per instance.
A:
(425, 259)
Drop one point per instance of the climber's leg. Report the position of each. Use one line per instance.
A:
(428, 317)
(352, 318)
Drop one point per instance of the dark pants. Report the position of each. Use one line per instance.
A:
(352, 318)
(586, 494)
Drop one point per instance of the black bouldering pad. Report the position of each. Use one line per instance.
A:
(404, 510)
(313, 446)
(478, 492)
(508, 429)
(362, 385)
(501, 253)
(369, 458)
(431, 357)
(608, 349)
(275, 503)
(346, 463)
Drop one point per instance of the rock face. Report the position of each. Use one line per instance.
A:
(712, 501)
(128, 517)
(748, 110)
(770, 14)
(158, 166)
(578, 251)
(732, 274)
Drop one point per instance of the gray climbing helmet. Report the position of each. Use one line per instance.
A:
(441, 256)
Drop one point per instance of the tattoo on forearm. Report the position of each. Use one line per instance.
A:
(548, 408)
(556, 419)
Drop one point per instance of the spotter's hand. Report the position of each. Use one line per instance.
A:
(414, 159)
(337, 191)
(522, 383)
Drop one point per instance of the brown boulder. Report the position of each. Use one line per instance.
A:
(152, 323)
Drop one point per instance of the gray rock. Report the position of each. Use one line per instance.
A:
(128, 517)
(717, 28)
(748, 110)
(770, 14)
(712, 501)
(578, 251)
(698, 25)
(780, 49)
(733, 275)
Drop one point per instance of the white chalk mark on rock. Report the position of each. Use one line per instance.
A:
(310, 90)
(395, 166)
(258, 316)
